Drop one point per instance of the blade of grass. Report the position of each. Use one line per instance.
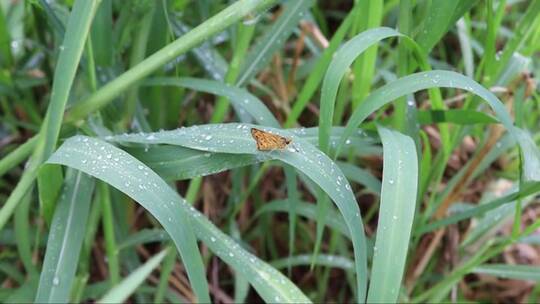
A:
(65, 239)
(418, 81)
(16, 156)
(70, 54)
(210, 27)
(236, 139)
(108, 230)
(514, 272)
(177, 217)
(23, 235)
(315, 77)
(273, 39)
(364, 69)
(122, 291)
(148, 188)
(396, 214)
(322, 260)
(527, 190)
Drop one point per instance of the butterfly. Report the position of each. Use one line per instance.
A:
(267, 141)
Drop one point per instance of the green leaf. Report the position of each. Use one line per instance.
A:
(136, 180)
(65, 239)
(49, 185)
(177, 217)
(122, 291)
(236, 139)
(459, 117)
(210, 27)
(68, 60)
(273, 39)
(341, 61)
(144, 236)
(317, 73)
(431, 79)
(515, 272)
(396, 214)
(177, 163)
(361, 176)
(437, 22)
(321, 260)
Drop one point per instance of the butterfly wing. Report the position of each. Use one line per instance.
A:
(267, 141)
(258, 135)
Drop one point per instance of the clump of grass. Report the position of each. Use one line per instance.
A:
(410, 174)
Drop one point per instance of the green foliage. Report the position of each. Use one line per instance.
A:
(117, 110)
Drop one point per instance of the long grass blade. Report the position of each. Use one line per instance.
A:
(65, 239)
(122, 291)
(236, 139)
(431, 79)
(396, 214)
(177, 217)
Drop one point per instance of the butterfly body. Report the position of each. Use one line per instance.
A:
(267, 141)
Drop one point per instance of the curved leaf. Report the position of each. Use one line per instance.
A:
(178, 218)
(343, 58)
(446, 79)
(236, 138)
(396, 214)
(132, 177)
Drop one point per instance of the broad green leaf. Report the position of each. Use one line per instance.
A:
(136, 180)
(396, 214)
(132, 177)
(65, 239)
(177, 163)
(236, 139)
(431, 79)
(341, 61)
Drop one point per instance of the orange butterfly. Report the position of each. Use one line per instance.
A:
(267, 141)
